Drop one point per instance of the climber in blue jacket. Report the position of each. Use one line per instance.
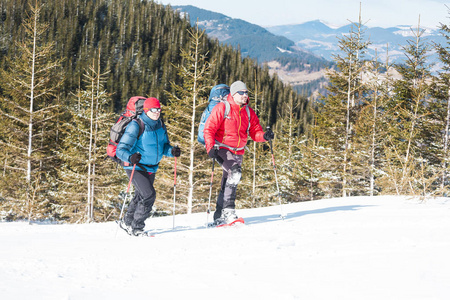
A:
(144, 152)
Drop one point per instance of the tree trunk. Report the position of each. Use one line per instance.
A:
(192, 141)
(372, 150)
(30, 124)
(91, 133)
(347, 131)
(446, 132)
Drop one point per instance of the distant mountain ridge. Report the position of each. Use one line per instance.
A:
(307, 47)
(321, 39)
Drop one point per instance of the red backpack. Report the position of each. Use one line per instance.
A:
(135, 107)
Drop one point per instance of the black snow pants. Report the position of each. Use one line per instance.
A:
(141, 205)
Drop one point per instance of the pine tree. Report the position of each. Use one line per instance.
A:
(183, 113)
(30, 85)
(339, 110)
(369, 127)
(87, 187)
(441, 91)
(289, 154)
(407, 148)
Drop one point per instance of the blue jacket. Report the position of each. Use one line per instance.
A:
(152, 144)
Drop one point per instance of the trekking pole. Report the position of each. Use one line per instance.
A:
(276, 177)
(210, 189)
(174, 190)
(125, 200)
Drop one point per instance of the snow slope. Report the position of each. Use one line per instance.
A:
(344, 248)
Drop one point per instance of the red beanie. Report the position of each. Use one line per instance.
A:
(151, 103)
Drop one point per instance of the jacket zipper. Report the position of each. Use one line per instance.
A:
(239, 129)
(157, 142)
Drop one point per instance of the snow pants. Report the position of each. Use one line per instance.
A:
(141, 205)
(232, 172)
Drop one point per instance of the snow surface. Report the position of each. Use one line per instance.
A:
(344, 248)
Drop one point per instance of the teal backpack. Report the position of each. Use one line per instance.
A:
(219, 93)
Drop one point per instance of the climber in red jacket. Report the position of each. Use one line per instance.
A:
(230, 135)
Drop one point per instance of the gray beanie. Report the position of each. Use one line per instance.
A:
(237, 86)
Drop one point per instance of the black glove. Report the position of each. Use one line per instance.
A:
(213, 153)
(269, 135)
(176, 151)
(135, 158)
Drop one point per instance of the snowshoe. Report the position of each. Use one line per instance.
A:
(141, 232)
(125, 227)
(228, 218)
(238, 221)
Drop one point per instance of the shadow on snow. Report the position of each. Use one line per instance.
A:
(272, 217)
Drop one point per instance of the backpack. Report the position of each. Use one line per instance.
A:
(219, 93)
(135, 107)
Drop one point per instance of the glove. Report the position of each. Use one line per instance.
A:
(176, 151)
(135, 158)
(213, 153)
(269, 135)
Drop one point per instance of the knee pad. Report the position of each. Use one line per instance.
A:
(235, 175)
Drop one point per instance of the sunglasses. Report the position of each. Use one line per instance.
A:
(242, 92)
(154, 110)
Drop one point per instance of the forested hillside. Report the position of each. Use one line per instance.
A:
(138, 42)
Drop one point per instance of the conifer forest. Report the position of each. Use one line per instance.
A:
(68, 68)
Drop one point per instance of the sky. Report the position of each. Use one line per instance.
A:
(375, 13)
(351, 248)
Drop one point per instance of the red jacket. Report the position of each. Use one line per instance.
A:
(233, 130)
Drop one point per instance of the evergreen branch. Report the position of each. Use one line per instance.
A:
(14, 118)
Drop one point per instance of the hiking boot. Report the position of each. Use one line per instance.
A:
(217, 213)
(227, 217)
(125, 227)
(138, 232)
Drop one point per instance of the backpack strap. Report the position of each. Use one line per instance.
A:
(141, 126)
(248, 114)
(227, 109)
